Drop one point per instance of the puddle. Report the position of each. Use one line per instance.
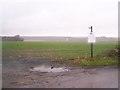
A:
(49, 69)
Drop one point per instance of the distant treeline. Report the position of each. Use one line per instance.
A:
(54, 38)
(12, 38)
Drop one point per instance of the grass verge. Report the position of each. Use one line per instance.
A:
(97, 62)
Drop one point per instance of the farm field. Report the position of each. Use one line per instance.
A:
(64, 51)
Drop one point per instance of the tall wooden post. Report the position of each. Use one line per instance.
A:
(91, 43)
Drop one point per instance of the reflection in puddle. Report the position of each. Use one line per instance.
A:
(49, 69)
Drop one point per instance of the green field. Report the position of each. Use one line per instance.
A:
(56, 50)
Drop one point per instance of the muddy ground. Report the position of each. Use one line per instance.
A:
(17, 74)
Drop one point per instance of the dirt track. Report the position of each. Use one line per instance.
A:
(18, 75)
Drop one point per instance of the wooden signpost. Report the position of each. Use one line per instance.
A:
(91, 39)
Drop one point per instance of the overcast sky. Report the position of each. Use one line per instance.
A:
(59, 17)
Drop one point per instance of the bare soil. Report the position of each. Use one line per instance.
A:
(17, 74)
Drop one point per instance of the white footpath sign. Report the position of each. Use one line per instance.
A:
(91, 38)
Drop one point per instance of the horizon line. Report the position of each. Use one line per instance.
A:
(54, 36)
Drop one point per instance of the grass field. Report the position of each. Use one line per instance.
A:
(59, 51)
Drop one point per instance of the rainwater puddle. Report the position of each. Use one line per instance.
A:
(49, 69)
